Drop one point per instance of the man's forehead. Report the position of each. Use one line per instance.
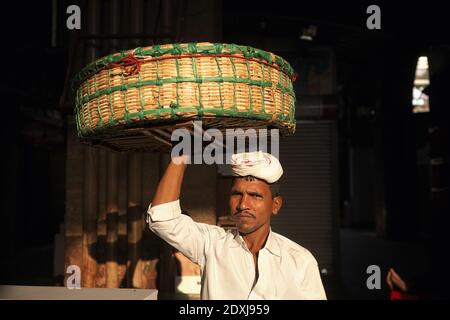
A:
(249, 183)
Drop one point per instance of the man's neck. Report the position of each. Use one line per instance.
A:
(257, 239)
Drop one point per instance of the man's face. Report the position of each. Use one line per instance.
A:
(251, 204)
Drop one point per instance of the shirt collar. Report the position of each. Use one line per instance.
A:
(271, 245)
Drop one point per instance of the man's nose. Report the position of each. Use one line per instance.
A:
(243, 203)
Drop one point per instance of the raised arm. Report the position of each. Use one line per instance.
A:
(169, 186)
(166, 221)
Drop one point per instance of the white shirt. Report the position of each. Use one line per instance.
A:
(286, 269)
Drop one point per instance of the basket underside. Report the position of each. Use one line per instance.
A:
(157, 138)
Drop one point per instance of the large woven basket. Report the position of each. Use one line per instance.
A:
(121, 97)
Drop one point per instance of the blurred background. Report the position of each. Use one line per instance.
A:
(366, 174)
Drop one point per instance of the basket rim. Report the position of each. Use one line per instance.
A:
(280, 120)
(204, 48)
(286, 128)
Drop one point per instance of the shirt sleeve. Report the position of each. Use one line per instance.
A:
(311, 283)
(180, 231)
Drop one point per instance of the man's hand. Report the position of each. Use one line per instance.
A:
(183, 159)
(394, 280)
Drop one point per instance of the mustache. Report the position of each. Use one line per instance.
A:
(244, 213)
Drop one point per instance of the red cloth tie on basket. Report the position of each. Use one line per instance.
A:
(130, 63)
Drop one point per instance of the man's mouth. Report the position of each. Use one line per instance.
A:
(244, 215)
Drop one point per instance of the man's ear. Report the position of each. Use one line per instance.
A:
(276, 204)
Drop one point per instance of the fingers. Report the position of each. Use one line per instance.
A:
(389, 279)
(398, 281)
(183, 159)
(395, 273)
(394, 280)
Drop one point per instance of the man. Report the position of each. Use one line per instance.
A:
(252, 262)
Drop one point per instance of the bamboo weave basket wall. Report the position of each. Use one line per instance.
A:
(121, 97)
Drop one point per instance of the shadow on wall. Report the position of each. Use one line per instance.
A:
(154, 268)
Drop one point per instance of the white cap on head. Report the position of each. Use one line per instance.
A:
(258, 164)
